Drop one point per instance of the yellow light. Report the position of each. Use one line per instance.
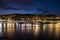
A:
(36, 30)
(28, 25)
(4, 25)
(36, 25)
(57, 25)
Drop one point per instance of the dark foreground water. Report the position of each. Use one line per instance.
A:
(28, 31)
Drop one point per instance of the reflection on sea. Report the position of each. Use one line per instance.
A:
(36, 29)
(1, 33)
(10, 29)
(57, 30)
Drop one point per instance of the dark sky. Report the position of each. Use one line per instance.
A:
(30, 6)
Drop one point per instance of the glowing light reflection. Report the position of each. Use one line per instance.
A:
(36, 29)
(57, 30)
(50, 28)
(10, 29)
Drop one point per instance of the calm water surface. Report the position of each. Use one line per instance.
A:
(29, 31)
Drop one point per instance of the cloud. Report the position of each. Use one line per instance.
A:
(43, 10)
(10, 8)
(23, 3)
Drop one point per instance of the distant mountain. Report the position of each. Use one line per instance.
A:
(50, 15)
(19, 14)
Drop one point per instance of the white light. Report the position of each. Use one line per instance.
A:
(22, 28)
(0, 25)
(22, 24)
(16, 23)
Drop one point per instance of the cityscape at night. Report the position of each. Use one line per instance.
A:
(29, 19)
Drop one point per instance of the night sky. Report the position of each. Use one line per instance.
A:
(30, 7)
